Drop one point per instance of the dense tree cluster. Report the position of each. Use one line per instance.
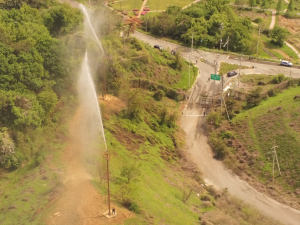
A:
(209, 22)
(31, 64)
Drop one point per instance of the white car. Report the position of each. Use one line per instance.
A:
(286, 63)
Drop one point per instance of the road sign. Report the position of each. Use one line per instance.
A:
(215, 77)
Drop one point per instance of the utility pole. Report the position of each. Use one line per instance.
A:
(107, 156)
(273, 152)
(191, 54)
(258, 41)
(222, 81)
(240, 71)
(227, 43)
(221, 27)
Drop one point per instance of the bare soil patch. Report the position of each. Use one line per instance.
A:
(79, 202)
(293, 25)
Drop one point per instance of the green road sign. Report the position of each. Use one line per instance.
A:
(215, 77)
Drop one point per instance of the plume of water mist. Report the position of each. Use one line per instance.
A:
(90, 24)
(89, 101)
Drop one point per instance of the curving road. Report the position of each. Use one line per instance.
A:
(192, 122)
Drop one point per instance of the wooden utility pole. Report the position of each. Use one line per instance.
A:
(274, 154)
(240, 71)
(104, 82)
(191, 55)
(221, 92)
(107, 156)
(258, 42)
(227, 43)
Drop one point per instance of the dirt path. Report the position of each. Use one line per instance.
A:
(191, 4)
(80, 203)
(273, 20)
(142, 8)
(293, 48)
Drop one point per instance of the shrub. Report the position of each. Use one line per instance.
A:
(226, 135)
(136, 44)
(273, 92)
(134, 207)
(159, 95)
(254, 98)
(7, 150)
(214, 118)
(218, 146)
(278, 79)
(258, 20)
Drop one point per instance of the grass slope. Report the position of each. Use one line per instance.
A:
(165, 179)
(267, 125)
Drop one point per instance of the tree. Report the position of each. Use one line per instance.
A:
(62, 19)
(254, 98)
(279, 35)
(290, 9)
(291, 6)
(252, 3)
(279, 6)
(264, 5)
(132, 24)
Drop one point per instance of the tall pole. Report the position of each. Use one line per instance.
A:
(240, 71)
(108, 192)
(189, 71)
(273, 165)
(107, 156)
(222, 93)
(227, 43)
(104, 82)
(191, 53)
(257, 42)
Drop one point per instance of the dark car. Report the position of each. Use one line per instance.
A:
(158, 47)
(231, 74)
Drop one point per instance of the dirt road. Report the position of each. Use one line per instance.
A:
(192, 122)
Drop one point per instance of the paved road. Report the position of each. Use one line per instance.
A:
(192, 122)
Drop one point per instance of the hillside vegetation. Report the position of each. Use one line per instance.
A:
(209, 22)
(150, 174)
(265, 122)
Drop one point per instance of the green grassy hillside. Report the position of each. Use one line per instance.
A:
(273, 122)
(259, 122)
(165, 188)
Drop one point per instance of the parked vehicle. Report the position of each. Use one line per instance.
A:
(231, 74)
(286, 63)
(158, 47)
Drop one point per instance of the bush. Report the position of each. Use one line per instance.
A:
(218, 146)
(254, 98)
(7, 150)
(134, 207)
(159, 95)
(278, 79)
(226, 135)
(214, 118)
(273, 92)
(136, 44)
(258, 20)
